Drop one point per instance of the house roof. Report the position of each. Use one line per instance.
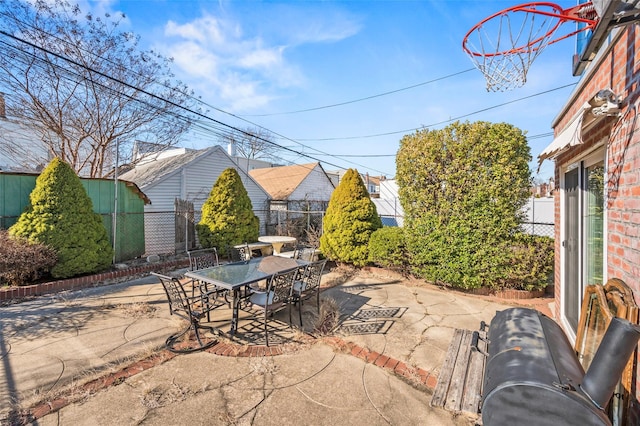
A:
(280, 182)
(147, 173)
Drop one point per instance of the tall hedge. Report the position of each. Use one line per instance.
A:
(349, 221)
(60, 215)
(462, 189)
(227, 214)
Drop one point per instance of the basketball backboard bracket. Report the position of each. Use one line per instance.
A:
(612, 14)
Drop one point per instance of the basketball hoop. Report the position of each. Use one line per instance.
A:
(505, 44)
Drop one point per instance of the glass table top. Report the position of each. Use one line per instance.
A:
(234, 275)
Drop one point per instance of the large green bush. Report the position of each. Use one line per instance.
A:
(387, 248)
(227, 214)
(531, 263)
(462, 189)
(22, 262)
(60, 215)
(349, 221)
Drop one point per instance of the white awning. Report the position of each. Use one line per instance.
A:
(570, 136)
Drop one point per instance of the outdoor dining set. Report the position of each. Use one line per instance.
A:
(251, 280)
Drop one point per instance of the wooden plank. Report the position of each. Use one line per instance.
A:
(444, 377)
(458, 378)
(459, 386)
(475, 376)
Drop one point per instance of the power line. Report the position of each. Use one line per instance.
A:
(362, 99)
(444, 121)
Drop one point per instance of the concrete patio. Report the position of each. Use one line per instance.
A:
(74, 358)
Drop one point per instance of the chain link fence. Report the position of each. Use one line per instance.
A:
(173, 232)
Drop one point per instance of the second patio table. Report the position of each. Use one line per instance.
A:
(276, 241)
(238, 275)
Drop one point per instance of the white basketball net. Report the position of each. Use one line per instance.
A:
(504, 47)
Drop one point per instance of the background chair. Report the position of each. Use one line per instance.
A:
(308, 285)
(305, 253)
(201, 259)
(277, 295)
(239, 253)
(192, 309)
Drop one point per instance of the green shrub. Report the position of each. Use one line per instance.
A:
(462, 189)
(349, 221)
(227, 214)
(530, 263)
(60, 215)
(22, 262)
(387, 248)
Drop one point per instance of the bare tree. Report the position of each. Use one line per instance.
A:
(83, 86)
(253, 143)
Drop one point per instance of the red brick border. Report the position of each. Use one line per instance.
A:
(16, 293)
(385, 362)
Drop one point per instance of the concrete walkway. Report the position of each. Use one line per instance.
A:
(65, 358)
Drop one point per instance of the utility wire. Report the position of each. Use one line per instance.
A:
(362, 99)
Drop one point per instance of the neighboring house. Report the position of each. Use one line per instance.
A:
(372, 183)
(20, 148)
(388, 204)
(302, 187)
(183, 174)
(597, 174)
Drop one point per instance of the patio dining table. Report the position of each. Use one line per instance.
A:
(238, 275)
(277, 241)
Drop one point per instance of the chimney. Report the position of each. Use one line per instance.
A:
(231, 149)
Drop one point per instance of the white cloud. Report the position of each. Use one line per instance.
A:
(242, 72)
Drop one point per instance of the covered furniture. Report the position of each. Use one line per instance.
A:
(192, 309)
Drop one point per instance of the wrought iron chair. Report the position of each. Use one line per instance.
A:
(305, 253)
(201, 259)
(192, 309)
(239, 253)
(277, 295)
(308, 285)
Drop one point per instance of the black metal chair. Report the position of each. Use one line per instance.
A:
(277, 295)
(308, 285)
(201, 259)
(240, 253)
(305, 253)
(192, 309)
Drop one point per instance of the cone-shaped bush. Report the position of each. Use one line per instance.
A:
(227, 215)
(349, 221)
(60, 215)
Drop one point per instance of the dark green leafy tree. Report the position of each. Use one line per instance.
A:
(227, 215)
(60, 215)
(462, 189)
(349, 221)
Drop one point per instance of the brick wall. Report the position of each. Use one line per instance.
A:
(620, 71)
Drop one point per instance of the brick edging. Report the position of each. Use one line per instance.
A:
(86, 281)
(222, 348)
(385, 362)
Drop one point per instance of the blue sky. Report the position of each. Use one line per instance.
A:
(263, 62)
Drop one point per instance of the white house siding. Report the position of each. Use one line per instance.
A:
(315, 187)
(193, 182)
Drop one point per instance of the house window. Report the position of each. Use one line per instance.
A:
(594, 224)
